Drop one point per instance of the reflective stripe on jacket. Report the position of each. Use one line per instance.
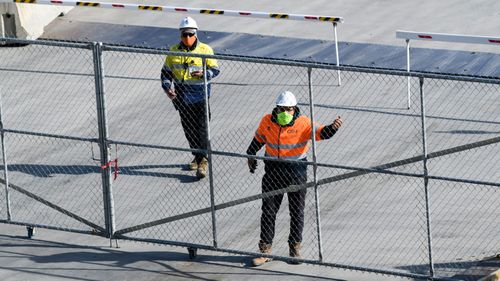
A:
(191, 88)
(286, 142)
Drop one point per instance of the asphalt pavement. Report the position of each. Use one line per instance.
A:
(56, 255)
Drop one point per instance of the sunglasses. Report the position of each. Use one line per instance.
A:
(286, 108)
(188, 34)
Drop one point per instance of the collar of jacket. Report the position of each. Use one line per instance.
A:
(189, 49)
(274, 117)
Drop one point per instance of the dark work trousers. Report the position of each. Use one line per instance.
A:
(278, 176)
(193, 122)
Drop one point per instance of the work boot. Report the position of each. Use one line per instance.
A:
(202, 168)
(265, 249)
(295, 251)
(193, 166)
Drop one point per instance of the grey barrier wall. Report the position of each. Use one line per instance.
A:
(408, 192)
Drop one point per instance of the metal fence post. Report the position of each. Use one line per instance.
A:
(336, 49)
(408, 104)
(209, 153)
(109, 216)
(315, 165)
(426, 176)
(5, 166)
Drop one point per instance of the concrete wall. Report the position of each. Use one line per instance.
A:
(29, 19)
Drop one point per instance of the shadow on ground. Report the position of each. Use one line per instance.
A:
(45, 171)
(57, 259)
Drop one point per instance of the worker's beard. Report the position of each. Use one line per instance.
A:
(188, 41)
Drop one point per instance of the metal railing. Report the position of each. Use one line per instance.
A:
(396, 191)
(427, 36)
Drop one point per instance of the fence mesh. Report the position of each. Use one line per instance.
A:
(66, 175)
(152, 184)
(44, 94)
(461, 115)
(374, 220)
(369, 219)
(378, 127)
(465, 221)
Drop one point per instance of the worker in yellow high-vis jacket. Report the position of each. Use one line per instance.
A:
(182, 80)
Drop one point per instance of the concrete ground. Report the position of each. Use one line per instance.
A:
(55, 255)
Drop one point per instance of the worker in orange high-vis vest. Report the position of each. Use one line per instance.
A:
(286, 134)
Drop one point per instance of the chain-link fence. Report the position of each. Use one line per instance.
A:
(93, 144)
(49, 125)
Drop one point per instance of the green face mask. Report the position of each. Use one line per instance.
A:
(284, 118)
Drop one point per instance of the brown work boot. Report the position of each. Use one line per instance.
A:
(295, 251)
(202, 168)
(265, 249)
(193, 166)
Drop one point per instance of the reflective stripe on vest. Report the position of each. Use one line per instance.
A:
(260, 138)
(289, 142)
(195, 82)
(287, 146)
(297, 157)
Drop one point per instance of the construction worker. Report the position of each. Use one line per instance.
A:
(182, 80)
(286, 134)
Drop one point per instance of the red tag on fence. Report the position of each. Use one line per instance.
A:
(113, 163)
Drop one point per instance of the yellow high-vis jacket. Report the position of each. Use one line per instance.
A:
(178, 69)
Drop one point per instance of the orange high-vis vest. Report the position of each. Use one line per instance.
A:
(289, 142)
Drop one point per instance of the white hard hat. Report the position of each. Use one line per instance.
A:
(286, 99)
(188, 22)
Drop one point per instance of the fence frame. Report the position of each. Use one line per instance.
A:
(4, 159)
(103, 140)
(171, 9)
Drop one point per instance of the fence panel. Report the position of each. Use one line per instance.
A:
(359, 210)
(378, 127)
(371, 184)
(154, 182)
(464, 113)
(465, 221)
(243, 94)
(48, 97)
(375, 221)
(384, 215)
(463, 116)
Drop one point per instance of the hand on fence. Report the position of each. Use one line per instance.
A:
(337, 123)
(171, 93)
(252, 164)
